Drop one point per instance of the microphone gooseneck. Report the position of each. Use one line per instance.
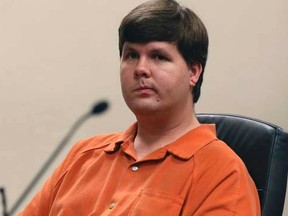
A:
(97, 109)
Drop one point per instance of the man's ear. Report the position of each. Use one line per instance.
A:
(195, 72)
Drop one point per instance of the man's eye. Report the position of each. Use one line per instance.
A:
(132, 55)
(160, 58)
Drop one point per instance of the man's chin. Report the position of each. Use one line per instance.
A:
(145, 109)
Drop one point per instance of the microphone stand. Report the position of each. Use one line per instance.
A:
(98, 108)
(2, 191)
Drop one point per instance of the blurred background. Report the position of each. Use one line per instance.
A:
(57, 58)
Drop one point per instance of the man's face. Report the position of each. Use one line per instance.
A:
(155, 77)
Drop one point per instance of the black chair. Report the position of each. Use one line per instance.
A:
(263, 147)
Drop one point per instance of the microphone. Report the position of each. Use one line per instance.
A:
(97, 109)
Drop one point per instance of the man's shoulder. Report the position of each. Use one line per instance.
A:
(217, 153)
(96, 142)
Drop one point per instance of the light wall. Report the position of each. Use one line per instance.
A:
(59, 57)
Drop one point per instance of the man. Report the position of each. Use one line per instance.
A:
(167, 163)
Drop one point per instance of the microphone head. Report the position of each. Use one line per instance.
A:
(99, 107)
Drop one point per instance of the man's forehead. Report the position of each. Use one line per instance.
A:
(154, 45)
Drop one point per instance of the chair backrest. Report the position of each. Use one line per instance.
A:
(263, 147)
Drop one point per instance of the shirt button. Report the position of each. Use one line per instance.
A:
(112, 205)
(134, 168)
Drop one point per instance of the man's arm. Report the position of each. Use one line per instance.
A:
(42, 201)
(221, 185)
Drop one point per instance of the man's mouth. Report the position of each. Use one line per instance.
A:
(144, 89)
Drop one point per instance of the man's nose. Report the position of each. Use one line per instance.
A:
(142, 68)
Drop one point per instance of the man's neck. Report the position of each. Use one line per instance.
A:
(154, 133)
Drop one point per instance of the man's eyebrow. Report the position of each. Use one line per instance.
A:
(128, 48)
(160, 50)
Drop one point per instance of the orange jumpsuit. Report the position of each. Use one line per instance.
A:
(195, 175)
